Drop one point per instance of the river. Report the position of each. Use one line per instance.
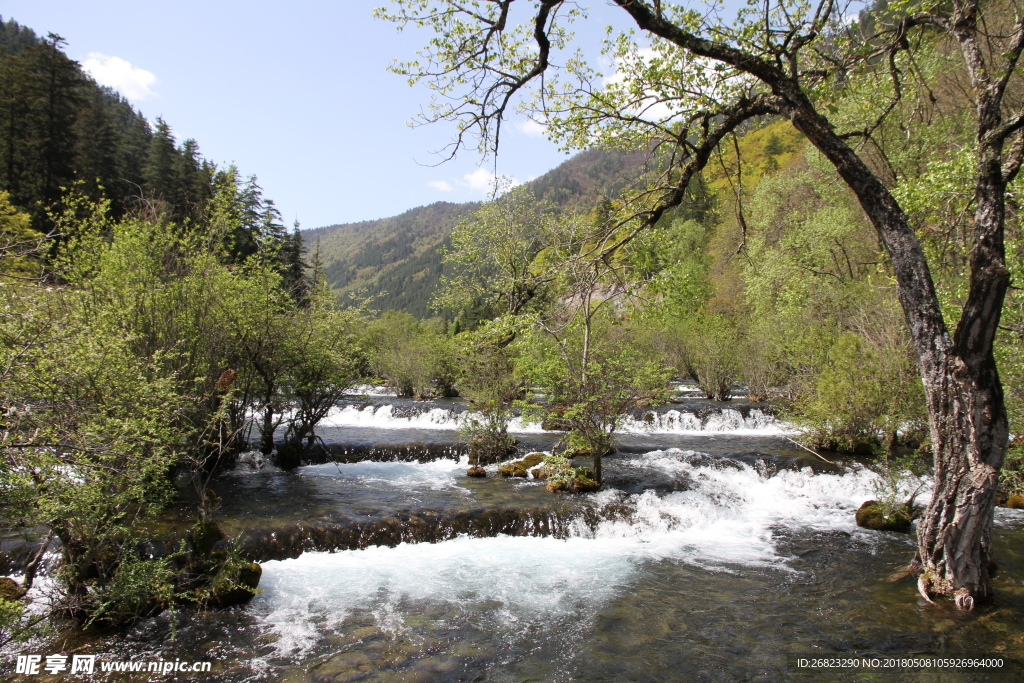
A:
(717, 551)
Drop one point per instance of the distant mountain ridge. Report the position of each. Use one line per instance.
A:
(397, 260)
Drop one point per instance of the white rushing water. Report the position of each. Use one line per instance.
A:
(434, 475)
(371, 390)
(728, 519)
(723, 421)
(384, 417)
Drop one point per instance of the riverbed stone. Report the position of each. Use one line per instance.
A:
(363, 632)
(346, 666)
(476, 471)
(150, 630)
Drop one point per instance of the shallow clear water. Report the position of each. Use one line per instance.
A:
(723, 558)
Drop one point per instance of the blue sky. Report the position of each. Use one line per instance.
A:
(296, 93)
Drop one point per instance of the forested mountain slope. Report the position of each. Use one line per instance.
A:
(60, 129)
(397, 260)
(62, 136)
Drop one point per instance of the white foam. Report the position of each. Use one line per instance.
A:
(724, 421)
(371, 390)
(731, 514)
(527, 578)
(383, 417)
(435, 475)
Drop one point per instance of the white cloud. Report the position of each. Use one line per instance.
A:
(131, 81)
(480, 180)
(532, 128)
(442, 185)
(484, 181)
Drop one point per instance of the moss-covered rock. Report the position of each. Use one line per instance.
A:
(577, 484)
(586, 473)
(1015, 502)
(476, 471)
(235, 584)
(512, 470)
(203, 536)
(10, 590)
(520, 468)
(531, 460)
(872, 515)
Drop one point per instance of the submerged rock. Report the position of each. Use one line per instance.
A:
(872, 515)
(149, 630)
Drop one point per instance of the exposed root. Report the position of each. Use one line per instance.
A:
(923, 584)
(964, 600)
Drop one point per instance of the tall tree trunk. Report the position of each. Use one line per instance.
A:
(267, 431)
(967, 417)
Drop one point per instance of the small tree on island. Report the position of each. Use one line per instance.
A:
(596, 373)
(491, 384)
